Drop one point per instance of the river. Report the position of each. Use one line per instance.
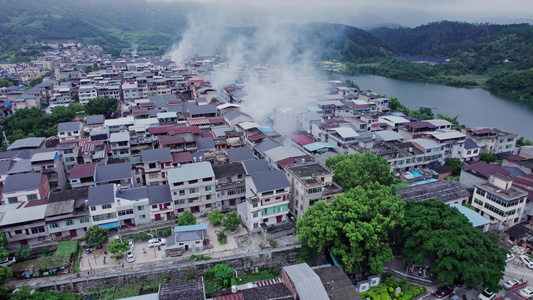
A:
(475, 107)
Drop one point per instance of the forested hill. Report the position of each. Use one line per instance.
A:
(490, 43)
(154, 26)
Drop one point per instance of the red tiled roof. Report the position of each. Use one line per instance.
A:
(302, 139)
(215, 120)
(179, 157)
(82, 171)
(173, 128)
(516, 157)
(286, 161)
(198, 121)
(486, 169)
(355, 119)
(416, 125)
(36, 203)
(146, 104)
(139, 111)
(255, 137)
(174, 101)
(207, 134)
(170, 140)
(236, 296)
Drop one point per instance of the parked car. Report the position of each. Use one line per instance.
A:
(527, 261)
(527, 292)
(8, 262)
(486, 295)
(443, 291)
(509, 257)
(129, 256)
(509, 284)
(156, 242)
(131, 243)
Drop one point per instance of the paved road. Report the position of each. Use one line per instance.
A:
(511, 271)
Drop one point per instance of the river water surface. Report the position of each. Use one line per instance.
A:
(475, 107)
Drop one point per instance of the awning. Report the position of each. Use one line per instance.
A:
(111, 225)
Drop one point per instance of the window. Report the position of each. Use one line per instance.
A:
(194, 190)
(36, 230)
(197, 242)
(207, 179)
(182, 192)
(32, 197)
(18, 231)
(139, 208)
(177, 183)
(256, 225)
(125, 212)
(154, 206)
(69, 222)
(208, 188)
(93, 208)
(151, 165)
(179, 202)
(68, 151)
(106, 206)
(209, 205)
(207, 197)
(104, 217)
(84, 220)
(12, 200)
(54, 225)
(254, 205)
(255, 215)
(142, 217)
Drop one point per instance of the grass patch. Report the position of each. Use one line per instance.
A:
(211, 287)
(199, 257)
(152, 285)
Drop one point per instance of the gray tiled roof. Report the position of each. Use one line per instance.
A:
(95, 119)
(227, 170)
(31, 142)
(69, 126)
(443, 190)
(4, 166)
(205, 144)
(20, 166)
(101, 194)
(22, 182)
(156, 155)
(159, 194)
(270, 180)
(266, 145)
(255, 166)
(105, 173)
(240, 154)
(133, 194)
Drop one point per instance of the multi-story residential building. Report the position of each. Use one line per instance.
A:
(82, 175)
(130, 91)
(69, 130)
(153, 166)
(25, 187)
(193, 187)
(471, 152)
(451, 142)
(267, 200)
(102, 206)
(67, 214)
(310, 182)
(492, 140)
(50, 164)
(24, 223)
(69, 152)
(142, 205)
(114, 173)
(499, 201)
(120, 145)
(87, 93)
(229, 185)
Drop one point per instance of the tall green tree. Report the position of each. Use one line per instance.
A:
(223, 274)
(455, 165)
(96, 236)
(352, 170)
(118, 248)
(215, 217)
(102, 106)
(439, 233)
(232, 221)
(186, 219)
(356, 226)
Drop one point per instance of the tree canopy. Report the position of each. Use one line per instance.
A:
(352, 170)
(457, 251)
(356, 226)
(455, 165)
(186, 219)
(215, 217)
(118, 248)
(102, 106)
(232, 221)
(96, 236)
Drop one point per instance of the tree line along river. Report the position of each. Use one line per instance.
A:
(475, 107)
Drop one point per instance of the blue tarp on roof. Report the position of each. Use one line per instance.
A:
(266, 129)
(201, 226)
(111, 225)
(319, 145)
(474, 218)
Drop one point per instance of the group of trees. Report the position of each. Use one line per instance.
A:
(35, 122)
(358, 226)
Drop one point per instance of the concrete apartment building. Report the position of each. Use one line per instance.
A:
(310, 182)
(499, 201)
(193, 187)
(267, 200)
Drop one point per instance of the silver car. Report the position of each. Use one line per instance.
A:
(129, 256)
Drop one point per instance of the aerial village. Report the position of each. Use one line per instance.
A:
(181, 145)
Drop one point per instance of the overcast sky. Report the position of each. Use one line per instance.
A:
(369, 12)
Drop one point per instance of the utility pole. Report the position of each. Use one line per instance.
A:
(5, 138)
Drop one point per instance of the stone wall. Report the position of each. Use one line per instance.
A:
(269, 258)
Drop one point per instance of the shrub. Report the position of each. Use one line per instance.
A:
(273, 243)
(216, 217)
(222, 237)
(186, 219)
(222, 274)
(23, 253)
